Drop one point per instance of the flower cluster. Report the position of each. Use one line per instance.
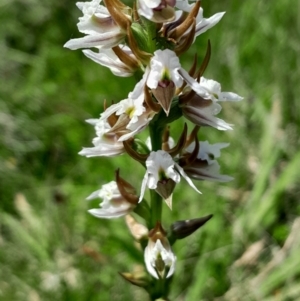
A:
(146, 40)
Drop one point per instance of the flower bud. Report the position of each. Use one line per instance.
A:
(182, 229)
(135, 279)
(137, 230)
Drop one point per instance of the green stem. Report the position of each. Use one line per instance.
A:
(160, 289)
(155, 136)
(156, 208)
(156, 133)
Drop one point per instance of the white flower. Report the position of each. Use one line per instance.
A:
(165, 73)
(133, 111)
(105, 144)
(98, 24)
(202, 111)
(158, 256)
(206, 167)
(165, 65)
(208, 152)
(201, 108)
(213, 88)
(95, 19)
(107, 58)
(157, 253)
(160, 166)
(114, 205)
(133, 108)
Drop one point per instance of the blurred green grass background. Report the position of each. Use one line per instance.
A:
(52, 249)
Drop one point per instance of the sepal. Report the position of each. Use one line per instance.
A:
(165, 189)
(164, 93)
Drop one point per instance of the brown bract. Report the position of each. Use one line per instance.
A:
(125, 58)
(119, 12)
(182, 31)
(126, 190)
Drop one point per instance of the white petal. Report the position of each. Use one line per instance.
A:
(148, 261)
(117, 67)
(190, 182)
(180, 169)
(204, 117)
(184, 5)
(105, 40)
(139, 87)
(151, 3)
(206, 24)
(208, 150)
(229, 96)
(110, 212)
(93, 195)
(143, 188)
(92, 121)
(110, 110)
(152, 181)
(164, 61)
(172, 267)
(101, 151)
(193, 83)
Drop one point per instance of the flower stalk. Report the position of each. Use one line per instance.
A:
(145, 41)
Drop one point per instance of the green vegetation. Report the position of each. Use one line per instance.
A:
(52, 249)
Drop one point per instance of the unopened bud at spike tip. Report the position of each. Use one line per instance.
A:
(182, 229)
